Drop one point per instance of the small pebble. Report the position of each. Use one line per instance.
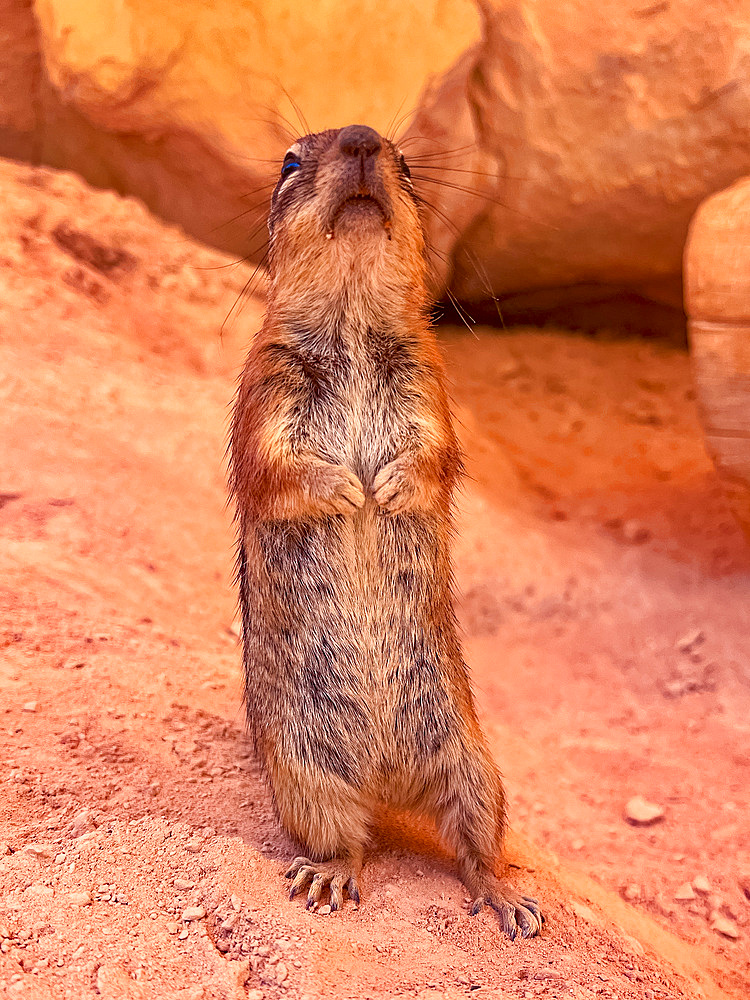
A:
(194, 846)
(583, 911)
(39, 850)
(183, 934)
(634, 944)
(727, 928)
(325, 910)
(716, 902)
(631, 892)
(702, 885)
(79, 898)
(640, 812)
(193, 913)
(282, 972)
(173, 927)
(684, 893)
(40, 890)
(183, 883)
(30, 706)
(83, 822)
(691, 639)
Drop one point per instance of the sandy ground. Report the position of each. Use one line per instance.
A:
(604, 596)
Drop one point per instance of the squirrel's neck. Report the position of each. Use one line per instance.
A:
(349, 312)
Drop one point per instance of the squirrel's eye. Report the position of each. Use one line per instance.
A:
(405, 167)
(290, 166)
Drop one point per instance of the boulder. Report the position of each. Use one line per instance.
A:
(602, 128)
(717, 302)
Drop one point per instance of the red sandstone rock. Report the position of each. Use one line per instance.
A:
(717, 301)
(607, 125)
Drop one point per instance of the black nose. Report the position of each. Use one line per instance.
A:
(359, 140)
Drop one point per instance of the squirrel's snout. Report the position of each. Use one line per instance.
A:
(360, 141)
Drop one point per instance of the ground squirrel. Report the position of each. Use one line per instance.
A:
(343, 464)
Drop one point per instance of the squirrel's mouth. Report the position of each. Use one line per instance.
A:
(362, 206)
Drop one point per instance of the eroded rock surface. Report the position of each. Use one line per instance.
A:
(717, 300)
(606, 127)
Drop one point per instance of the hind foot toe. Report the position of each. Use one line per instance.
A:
(516, 912)
(334, 876)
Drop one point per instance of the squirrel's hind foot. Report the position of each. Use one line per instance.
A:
(337, 876)
(516, 912)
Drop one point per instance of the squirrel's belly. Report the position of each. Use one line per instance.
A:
(374, 580)
(355, 613)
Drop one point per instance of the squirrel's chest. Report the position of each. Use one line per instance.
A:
(363, 419)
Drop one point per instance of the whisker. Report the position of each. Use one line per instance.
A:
(393, 125)
(298, 112)
(415, 165)
(220, 267)
(453, 185)
(250, 211)
(464, 316)
(442, 151)
(439, 213)
(263, 187)
(479, 268)
(481, 272)
(293, 132)
(485, 197)
(287, 134)
(243, 295)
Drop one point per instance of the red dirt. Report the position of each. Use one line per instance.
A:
(592, 539)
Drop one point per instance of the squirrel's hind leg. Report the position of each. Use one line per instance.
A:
(332, 821)
(471, 816)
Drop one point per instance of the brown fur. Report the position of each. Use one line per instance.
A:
(344, 461)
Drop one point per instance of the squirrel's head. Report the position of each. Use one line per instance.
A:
(344, 219)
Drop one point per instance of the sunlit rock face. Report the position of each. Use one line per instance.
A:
(184, 104)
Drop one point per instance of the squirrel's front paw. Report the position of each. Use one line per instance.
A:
(395, 489)
(333, 489)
